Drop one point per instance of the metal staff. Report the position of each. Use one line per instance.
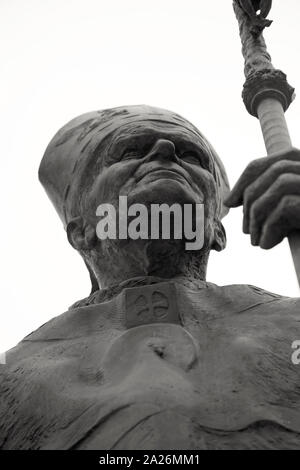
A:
(266, 93)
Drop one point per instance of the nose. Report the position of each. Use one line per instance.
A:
(163, 149)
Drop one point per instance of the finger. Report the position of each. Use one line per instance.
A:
(283, 220)
(235, 197)
(284, 185)
(253, 171)
(263, 182)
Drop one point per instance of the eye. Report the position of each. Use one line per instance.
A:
(190, 157)
(130, 154)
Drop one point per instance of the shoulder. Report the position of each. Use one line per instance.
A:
(244, 297)
(63, 331)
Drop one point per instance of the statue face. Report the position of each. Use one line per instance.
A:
(152, 162)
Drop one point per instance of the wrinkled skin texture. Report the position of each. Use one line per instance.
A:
(269, 190)
(148, 163)
(154, 164)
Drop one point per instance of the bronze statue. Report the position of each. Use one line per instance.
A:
(156, 357)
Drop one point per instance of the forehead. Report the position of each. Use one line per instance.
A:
(145, 132)
(139, 136)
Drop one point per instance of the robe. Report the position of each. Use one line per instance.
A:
(163, 367)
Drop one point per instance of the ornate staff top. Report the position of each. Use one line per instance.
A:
(262, 79)
(257, 12)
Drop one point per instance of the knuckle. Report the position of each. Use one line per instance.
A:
(294, 153)
(254, 165)
(280, 165)
(289, 201)
(284, 179)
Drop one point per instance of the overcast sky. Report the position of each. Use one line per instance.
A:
(61, 58)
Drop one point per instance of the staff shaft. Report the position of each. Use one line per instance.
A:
(277, 139)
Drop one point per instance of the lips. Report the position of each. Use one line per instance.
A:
(164, 172)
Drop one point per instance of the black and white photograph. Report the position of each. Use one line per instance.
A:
(150, 207)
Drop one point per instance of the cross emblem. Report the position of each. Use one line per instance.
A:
(151, 304)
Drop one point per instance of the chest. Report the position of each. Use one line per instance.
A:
(177, 377)
(167, 388)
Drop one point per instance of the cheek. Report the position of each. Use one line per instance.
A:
(207, 184)
(106, 188)
(205, 181)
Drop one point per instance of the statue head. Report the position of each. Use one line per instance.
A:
(149, 155)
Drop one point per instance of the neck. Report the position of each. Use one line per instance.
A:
(160, 259)
(106, 294)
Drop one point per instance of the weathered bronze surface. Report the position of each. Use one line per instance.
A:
(155, 357)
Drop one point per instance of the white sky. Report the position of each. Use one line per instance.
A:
(60, 58)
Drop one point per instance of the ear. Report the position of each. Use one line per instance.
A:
(219, 242)
(81, 235)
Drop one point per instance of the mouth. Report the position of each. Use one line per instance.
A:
(165, 173)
